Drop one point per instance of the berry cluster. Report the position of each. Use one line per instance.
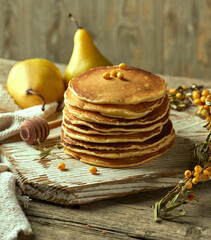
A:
(203, 101)
(197, 175)
(182, 97)
(114, 73)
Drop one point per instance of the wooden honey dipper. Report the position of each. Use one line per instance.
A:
(37, 128)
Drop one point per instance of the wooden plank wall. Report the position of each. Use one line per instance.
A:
(164, 36)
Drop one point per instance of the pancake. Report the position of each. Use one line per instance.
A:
(87, 130)
(164, 134)
(96, 117)
(81, 126)
(136, 86)
(115, 154)
(135, 137)
(131, 111)
(118, 163)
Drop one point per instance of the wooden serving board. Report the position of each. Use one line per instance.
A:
(42, 179)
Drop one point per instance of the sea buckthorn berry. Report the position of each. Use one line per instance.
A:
(184, 87)
(199, 178)
(120, 75)
(197, 101)
(209, 98)
(113, 73)
(205, 177)
(208, 118)
(209, 169)
(200, 108)
(195, 95)
(172, 90)
(61, 166)
(179, 95)
(198, 175)
(191, 197)
(206, 172)
(187, 173)
(93, 170)
(195, 180)
(189, 185)
(122, 66)
(205, 106)
(203, 99)
(204, 113)
(106, 75)
(198, 169)
(205, 92)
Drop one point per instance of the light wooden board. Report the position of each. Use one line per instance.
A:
(43, 180)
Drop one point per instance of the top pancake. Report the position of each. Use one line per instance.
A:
(137, 86)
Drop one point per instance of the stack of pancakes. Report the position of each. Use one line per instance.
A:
(116, 122)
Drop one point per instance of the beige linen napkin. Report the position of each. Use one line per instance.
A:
(12, 218)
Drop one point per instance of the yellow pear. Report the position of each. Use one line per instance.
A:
(32, 81)
(85, 55)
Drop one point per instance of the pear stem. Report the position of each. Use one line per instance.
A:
(31, 92)
(74, 20)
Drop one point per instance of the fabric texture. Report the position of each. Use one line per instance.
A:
(7, 103)
(12, 218)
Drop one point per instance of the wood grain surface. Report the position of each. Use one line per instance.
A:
(128, 217)
(166, 37)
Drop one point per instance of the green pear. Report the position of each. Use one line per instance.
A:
(85, 55)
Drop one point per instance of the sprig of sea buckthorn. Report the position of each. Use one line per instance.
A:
(183, 97)
(181, 193)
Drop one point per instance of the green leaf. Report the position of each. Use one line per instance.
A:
(156, 213)
(175, 206)
(173, 216)
(175, 199)
(45, 153)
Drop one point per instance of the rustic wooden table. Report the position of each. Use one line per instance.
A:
(128, 217)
